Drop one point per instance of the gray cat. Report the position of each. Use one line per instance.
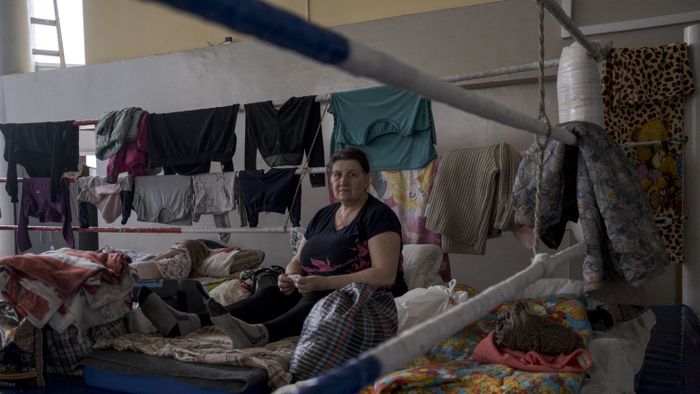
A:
(519, 330)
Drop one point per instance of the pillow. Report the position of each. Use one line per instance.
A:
(226, 262)
(421, 265)
(229, 292)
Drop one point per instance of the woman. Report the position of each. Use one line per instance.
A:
(357, 239)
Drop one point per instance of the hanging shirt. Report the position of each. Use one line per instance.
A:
(329, 251)
(164, 199)
(111, 199)
(36, 202)
(393, 127)
(189, 141)
(283, 135)
(44, 150)
(273, 191)
(133, 155)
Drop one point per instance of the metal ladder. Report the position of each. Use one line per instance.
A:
(57, 24)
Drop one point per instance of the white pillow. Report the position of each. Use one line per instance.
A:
(421, 265)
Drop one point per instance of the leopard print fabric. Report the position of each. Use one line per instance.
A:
(644, 91)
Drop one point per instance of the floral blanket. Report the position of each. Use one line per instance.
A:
(447, 367)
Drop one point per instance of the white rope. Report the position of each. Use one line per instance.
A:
(578, 87)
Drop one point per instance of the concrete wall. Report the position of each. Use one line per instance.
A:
(132, 28)
(442, 43)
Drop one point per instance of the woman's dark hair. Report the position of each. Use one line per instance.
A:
(351, 154)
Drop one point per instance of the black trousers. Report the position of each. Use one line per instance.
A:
(282, 315)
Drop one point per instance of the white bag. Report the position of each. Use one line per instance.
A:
(421, 304)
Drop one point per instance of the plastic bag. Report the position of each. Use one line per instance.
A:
(421, 304)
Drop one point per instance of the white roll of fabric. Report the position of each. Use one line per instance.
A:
(578, 86)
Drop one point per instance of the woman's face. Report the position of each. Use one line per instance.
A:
(349, 181)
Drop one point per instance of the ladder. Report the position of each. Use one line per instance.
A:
(55, 22)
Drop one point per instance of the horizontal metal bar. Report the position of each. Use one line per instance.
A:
(45, 52)
(42, 21)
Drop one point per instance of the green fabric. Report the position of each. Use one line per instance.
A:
(393, 127)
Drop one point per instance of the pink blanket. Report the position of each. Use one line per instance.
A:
(488, 353)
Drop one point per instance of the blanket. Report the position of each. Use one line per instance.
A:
(210, 345)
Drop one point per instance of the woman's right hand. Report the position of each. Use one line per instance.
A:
(285, 283)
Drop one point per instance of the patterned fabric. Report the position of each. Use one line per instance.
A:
(178, 266)
(464, 217)
(406, 192)
(66, 349)
(21, 361)
(210, 345)
(621, 236)
(342, 325)
(448, 368)
(643, 94)
(558, 191)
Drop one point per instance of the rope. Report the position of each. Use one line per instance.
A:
(305, 166)
(542, 116)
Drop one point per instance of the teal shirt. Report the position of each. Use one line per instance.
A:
(393, 127)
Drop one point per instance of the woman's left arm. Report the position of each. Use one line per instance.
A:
(384, 252)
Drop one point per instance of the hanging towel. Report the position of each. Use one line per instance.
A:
(644, 90)
(471, 198)
(36, 202)
(114, 129)
(43, 149)
(164, 199)
(189, 141)
(393, 127)
(283, 135)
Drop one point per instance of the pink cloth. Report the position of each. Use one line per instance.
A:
(132, 157)
(488, 353)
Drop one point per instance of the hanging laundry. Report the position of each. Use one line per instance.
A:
(164, 199)
(187, 142)
(393, 127)
(111, 199)
(114, 129)
(132, 157)
(214, 195)
(36, 202)
(406, 192)
(283, 135)
(274, 191)
(559, 204)
(44, 150)
(624, 246)
(471, 199)
(644, 90)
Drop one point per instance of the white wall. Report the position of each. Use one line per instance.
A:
(443, 43)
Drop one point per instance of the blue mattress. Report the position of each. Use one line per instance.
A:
(672, 359)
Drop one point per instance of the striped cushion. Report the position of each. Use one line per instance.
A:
(342, 325)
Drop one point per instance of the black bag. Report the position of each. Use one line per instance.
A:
(261, 278)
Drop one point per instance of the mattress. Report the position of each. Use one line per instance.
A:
(133, 372)
(672, 358)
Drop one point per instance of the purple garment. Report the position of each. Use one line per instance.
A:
(36, 202)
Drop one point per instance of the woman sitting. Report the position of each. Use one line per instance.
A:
(357, 239)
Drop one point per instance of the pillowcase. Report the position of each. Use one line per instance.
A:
(421, 265)
(225, 262)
